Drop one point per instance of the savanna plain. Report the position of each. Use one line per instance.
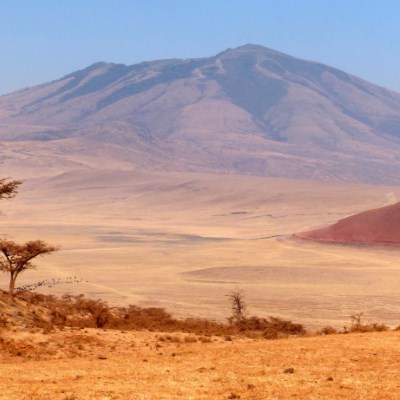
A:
(183, 242)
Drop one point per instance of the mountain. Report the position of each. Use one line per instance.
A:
(249, 110)
(380, 225)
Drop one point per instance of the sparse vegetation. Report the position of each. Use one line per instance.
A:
(16, 258)
(357, 325)
(270, 328)
(47, 312)
(327, 330)
(81, 312)
(97, 364)
(8, 188)
(238, 306)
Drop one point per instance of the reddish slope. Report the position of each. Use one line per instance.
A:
(380, 225)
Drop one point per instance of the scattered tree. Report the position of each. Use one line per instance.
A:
(238, 306)
(356, 323)
(16, 258)
(8, 188)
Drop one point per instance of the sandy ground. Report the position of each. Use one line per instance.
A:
(184, 241)
(102, 365)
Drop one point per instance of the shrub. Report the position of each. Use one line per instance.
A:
(271, 328)
(358, 326)
(81, 312)
(327, 330)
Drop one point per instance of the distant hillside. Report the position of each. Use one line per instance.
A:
(381, 225)
(247, 110)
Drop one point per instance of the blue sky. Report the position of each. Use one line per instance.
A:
(42, 40)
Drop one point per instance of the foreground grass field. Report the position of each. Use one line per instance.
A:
(104, 364)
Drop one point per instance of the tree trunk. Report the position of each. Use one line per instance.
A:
(11, 288)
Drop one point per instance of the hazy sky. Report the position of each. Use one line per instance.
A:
(42, 40)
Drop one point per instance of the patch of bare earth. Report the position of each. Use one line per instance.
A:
(377, 226)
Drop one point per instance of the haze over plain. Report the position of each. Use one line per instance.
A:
(166, 182)
(169, 178)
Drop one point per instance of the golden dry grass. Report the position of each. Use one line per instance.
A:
(100, 365)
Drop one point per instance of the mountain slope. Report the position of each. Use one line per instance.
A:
(248, 110)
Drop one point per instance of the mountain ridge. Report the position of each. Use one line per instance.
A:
(249, 110)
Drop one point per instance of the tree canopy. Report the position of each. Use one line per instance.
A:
(8, 188)
(16, 258)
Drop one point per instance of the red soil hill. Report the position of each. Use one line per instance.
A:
(380, 225)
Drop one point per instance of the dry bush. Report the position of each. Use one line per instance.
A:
(271, 328)
(190, 339)
(169, 338)
(327, 330)
(79, 311)
(358, 326)
(15, 348)
(374, 327)
(45, 325)
(74, 311)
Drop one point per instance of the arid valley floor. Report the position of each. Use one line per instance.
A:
(184, 241)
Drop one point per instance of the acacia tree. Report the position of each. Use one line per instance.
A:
(8, 188)
(16, 258)
(238, 306)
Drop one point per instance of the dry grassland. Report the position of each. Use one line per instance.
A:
(99, 365)
(183, 241)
